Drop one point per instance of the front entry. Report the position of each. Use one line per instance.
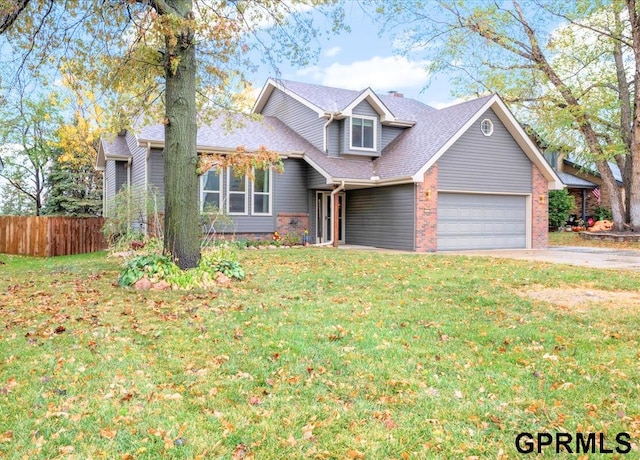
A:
(324, 219)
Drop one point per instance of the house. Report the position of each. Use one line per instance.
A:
(583, 183)
(367, 169)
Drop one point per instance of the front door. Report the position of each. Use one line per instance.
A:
(324, 218)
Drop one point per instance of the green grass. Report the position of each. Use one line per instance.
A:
(574, 239)
(318, 354)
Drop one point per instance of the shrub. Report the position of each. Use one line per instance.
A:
(560, 206)
(602, 213)
(132, 211)
(155, 266)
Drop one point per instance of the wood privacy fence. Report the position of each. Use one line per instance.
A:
(50, 236)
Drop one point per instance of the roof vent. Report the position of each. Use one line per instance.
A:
(395, 93)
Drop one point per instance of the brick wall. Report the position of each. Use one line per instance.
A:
(292, 223)
(427, 211)
(539, 210)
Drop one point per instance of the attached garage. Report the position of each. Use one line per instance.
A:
(481, 221)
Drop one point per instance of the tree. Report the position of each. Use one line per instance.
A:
(569, 68)
(142, 56)
(75, 190)
(27, 135)
(15, 203)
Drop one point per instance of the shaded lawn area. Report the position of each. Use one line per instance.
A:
(574, 239)
(318, 354)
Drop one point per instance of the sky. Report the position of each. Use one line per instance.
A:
(360, 59)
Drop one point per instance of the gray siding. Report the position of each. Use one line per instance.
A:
(476, 162)
(315, 179)
(109, 185)
(155, 175)
(361, 109)
(389, 133)
(138, 163)
(297, 116)
(381, 217)
(334, 133)
(290, 188)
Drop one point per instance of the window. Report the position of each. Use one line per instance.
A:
(237, 193)
(210, 190)
(486, 126)
(261, 200)
(363, 133)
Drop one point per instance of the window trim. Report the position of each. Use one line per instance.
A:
(375, 133)
(230, 192)
(203, 191)
(489, 123)
(268, 194)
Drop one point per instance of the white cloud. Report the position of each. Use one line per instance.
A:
(332, 52)
(379, 73)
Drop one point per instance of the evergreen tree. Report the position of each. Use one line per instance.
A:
(76, 190)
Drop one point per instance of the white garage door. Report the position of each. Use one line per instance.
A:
(467, 221)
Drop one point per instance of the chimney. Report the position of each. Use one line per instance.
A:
(395, 93)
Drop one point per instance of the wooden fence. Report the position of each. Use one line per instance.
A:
(50, 236)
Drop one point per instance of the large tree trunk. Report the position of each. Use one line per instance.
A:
(182, 232)
(633, 189)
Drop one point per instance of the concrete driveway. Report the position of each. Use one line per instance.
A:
(622, 259)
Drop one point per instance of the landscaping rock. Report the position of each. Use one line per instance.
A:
(143, 284)
(223, 280)
(161, 285)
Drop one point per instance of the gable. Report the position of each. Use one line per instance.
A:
(297, 116)
(494, 163)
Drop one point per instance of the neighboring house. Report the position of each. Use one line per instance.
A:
(583, 183)
(394, 172)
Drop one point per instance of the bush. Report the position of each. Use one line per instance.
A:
(155, 266)
(602, 213)
(560, 206)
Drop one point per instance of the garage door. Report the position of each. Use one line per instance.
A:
(468, 221)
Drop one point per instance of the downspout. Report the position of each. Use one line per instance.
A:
(146, 186)
(326, 135)
(335, 191)
(129, 192)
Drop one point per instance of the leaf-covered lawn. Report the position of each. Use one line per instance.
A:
(318, 354)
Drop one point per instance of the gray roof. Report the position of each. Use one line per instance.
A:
(225, 133)
(412, 149)
(331, 99)
(401, 159)
(574, 181)
(116, 146)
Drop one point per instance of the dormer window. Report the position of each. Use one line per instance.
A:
(363, 133)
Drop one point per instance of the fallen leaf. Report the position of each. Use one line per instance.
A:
(67, 449)
(355, 454)
(107, 433)
(240, 452)
(6, 436)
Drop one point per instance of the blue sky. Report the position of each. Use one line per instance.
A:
(362, 59)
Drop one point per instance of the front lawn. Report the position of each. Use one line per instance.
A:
(319, 353)
(574, 239)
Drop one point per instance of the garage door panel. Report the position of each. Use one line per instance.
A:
(467, 221)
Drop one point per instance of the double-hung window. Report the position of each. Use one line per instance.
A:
(210, 191)
(261, 199)
(236, 193)
(363, 133)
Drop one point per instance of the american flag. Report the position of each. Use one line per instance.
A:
(596, 193)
